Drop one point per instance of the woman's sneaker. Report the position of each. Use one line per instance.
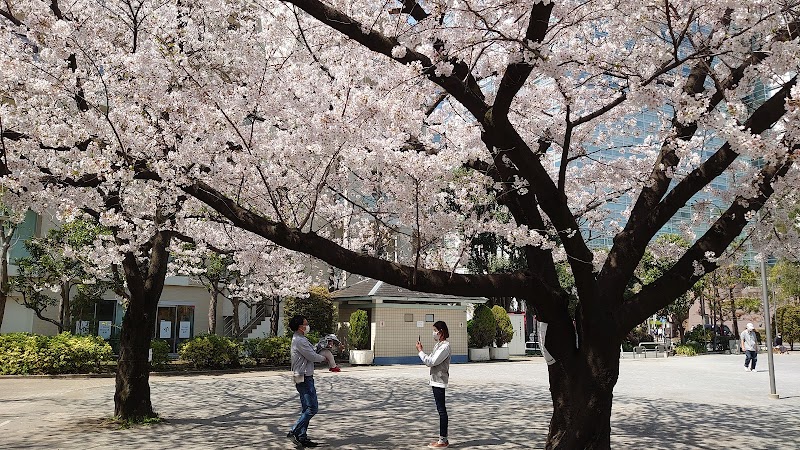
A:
(441, 443)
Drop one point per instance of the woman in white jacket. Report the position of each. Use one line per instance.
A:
(439, 362)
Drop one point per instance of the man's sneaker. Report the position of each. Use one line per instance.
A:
(335, 369)
(308, 443)
(295, 440)
(747, 369)
(439, 444)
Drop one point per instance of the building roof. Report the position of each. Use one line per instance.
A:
(376, 288)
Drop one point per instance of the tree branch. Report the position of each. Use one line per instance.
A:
(436, 281)
(460, 84)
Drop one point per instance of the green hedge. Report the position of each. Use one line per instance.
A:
(690, 349)
(211, 351)
(26, 354)
(274, 351)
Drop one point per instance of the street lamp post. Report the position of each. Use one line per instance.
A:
(767, 325)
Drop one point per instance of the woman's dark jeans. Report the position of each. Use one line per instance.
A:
(438, 395)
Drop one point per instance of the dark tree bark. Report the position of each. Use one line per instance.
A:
(733, 312)
(212, 308)
(64, 307)
(237, 327)
(145, 283)
(6, 233)
(273, 315)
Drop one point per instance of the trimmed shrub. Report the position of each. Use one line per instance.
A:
(317, 308)
(481, 328)
(690, 349)
(274, 351)
(25, 354)
(160, 353)
(685, 350)
(503, 331)
(211, 351)
(358, 336)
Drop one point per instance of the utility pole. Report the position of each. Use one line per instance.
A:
(764, 297)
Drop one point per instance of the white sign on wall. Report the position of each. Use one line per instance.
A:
(184, 330)
(166, 329)
(420, 324)
(104, 329)
(82, 327)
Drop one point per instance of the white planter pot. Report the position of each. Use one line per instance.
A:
(498, 352)
(364, 357)
(479, 354)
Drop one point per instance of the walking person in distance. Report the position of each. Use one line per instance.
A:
(749, 344)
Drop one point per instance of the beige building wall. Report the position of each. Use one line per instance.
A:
(396, 327)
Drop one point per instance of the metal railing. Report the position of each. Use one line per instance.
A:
(258, 316)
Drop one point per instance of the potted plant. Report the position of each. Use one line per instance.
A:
(358, 336)
(480, 332)
(503, 333)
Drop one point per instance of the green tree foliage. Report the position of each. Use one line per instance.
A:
(8, 227)
(652, 267)
(785, 275)
(729, 280)
(504, 331)
(490, 253)
(481, 328)
(317, 308)
(55, 265)
(358, 335)
(787, 321)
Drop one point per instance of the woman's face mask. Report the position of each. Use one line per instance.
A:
(308, 329)
(435, 335)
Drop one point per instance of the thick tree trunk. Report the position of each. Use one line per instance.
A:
(273, 316)
(63, 308)
(582, 389)
(733, 313)
(3, 299)
(5, 290)
(212, 309)
(132, 396)
(237, 328)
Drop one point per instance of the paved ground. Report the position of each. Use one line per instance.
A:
(673, 403)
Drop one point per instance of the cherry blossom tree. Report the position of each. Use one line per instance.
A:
(321, 125)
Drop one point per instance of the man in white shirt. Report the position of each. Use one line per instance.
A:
(749, 344)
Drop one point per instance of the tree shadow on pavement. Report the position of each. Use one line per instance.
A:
(393, 413)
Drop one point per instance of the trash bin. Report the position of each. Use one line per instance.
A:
(733, 345)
